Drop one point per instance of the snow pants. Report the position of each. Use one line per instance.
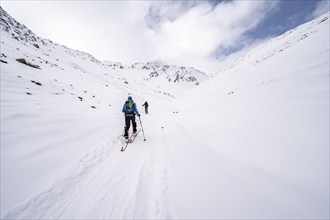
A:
(128, 120)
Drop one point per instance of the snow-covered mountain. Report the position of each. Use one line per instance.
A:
(171, 73)
(251, 142)
(266, 117)
(43, 53)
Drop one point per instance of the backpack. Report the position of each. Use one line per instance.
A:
(129, 106)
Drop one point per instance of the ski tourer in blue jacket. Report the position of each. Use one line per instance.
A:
(130, 110)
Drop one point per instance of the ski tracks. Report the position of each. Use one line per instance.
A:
(152, 193)
(109, 184)
(57, 201)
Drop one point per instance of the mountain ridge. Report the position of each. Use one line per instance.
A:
(24, 35)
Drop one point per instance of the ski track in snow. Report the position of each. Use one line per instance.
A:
(98, 177)
(153, 180)
(43, 204)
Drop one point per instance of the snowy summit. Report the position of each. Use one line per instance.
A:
(250, 141)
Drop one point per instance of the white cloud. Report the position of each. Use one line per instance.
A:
(195, 35)
(174, 32)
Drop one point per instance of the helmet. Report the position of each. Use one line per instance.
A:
(130, 98)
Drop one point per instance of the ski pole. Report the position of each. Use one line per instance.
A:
(124, 128)
(142, 129)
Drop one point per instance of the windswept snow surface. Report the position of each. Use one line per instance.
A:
(257, 135)
(252, 142)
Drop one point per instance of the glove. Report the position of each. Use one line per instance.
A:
(138, 115)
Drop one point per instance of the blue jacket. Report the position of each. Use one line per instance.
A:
(134, 107)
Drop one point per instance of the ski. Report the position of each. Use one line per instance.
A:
(130, 140)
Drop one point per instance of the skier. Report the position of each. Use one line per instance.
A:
(130, 110)
(146, 107)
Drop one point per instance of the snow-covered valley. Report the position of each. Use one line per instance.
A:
(250, 142)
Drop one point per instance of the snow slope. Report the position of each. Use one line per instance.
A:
(252, 142)
(261, 133)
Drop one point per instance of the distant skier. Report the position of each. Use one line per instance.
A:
(130, 110)
(146, 107)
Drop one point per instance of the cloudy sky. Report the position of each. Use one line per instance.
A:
(185, 33)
